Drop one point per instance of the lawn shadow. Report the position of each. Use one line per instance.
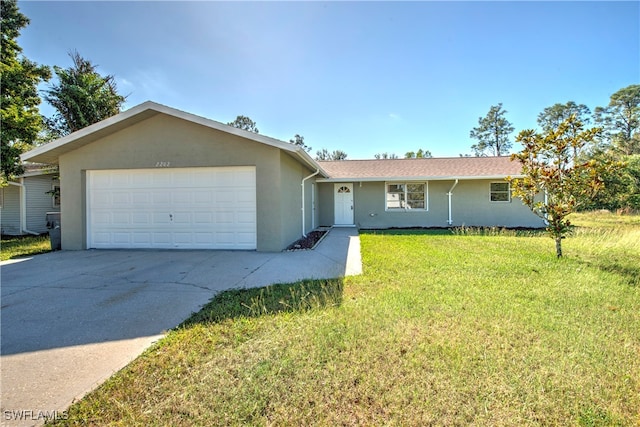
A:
(629, 273)
(255, 302)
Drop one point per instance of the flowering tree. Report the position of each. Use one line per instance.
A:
(557, 181)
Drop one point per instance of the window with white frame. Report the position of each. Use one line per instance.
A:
(500, 192)
(404, 196)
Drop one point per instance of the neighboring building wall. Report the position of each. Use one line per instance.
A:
(10, 211)
(471, 205)
(38, 201)
(164, 138)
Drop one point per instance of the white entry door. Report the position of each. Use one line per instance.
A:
(343, 197)
(181, 208)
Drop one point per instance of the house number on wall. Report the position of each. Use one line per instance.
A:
(163, 164)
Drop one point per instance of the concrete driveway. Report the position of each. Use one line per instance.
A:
(69, 320)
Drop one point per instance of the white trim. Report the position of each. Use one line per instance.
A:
(49, 153)
(304, 234)
(337, 186)
(449, 194)
(313, 205)
(419, 178)
(500, 192)
(406, 209)
(87, 208)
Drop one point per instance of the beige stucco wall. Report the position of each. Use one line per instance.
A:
(183, 144)
(325, 206)
(470, 203)
(292, 173)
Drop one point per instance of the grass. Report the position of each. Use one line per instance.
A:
(21, 246)
(441, 329)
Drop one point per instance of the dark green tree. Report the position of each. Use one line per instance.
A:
(19, 100)
(325, 154)
(81, 97)
(622, 185)
(551, 117)
(244, 123)
(621, 120)
(556, 181)
(418, 154)
(492, 133)
(299, 140)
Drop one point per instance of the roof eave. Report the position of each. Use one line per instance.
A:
(50, 152)
(416, 178)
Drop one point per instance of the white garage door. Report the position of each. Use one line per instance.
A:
(185, 208)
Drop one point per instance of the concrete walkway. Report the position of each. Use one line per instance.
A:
(70, 319)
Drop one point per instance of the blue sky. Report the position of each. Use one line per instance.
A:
(363, 77)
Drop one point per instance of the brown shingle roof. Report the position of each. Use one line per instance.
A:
(432, 168)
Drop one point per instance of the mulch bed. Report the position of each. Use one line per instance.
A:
(308, 242)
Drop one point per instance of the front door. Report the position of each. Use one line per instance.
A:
(343, 196)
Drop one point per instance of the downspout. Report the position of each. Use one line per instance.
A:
(449, 194)
(302, 184)
(546, 201)
(23, 206)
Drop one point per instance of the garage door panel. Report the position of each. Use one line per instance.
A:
(187, 208)
(121, 218)
(142, 238)
(142, 179)
(140, 218)
(203, 197)
(140, 197)
(120, 180)
(200, 218)
(160, 198)
(184, 197)
(245, 218)
(121, 238)
(120, 198)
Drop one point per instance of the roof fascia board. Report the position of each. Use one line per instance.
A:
(88, 130)
(286, 146)
(39, 172)
(418, 178)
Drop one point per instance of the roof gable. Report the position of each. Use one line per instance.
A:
(420, 169)
(50, 152)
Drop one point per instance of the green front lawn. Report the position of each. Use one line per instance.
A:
(21, 246)
(464, 329)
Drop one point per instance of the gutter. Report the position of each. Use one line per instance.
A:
(420, 178)
(23, 206)
(302, 185)
(449, 194)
